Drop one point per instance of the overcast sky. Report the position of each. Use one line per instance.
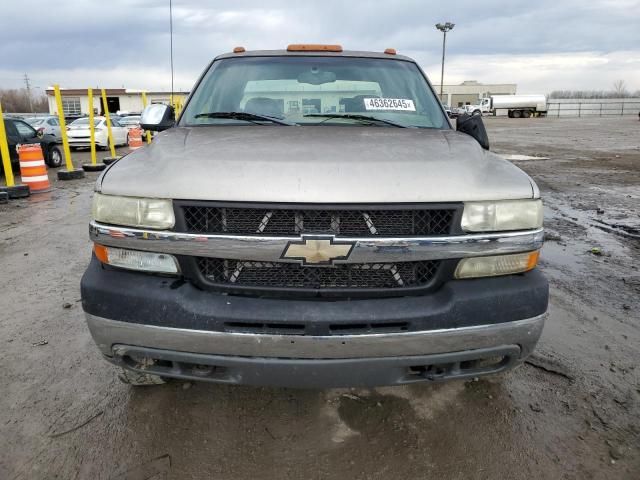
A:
(541, 45)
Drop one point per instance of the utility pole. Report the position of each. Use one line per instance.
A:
(27, 85)
(444, 28)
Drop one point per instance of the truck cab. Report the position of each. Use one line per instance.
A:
(312, 219)
(482, 107)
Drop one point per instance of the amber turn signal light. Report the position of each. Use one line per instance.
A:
(239, 50)
(390, 51)
(101, 253)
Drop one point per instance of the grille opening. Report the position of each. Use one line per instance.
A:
(428, 370)
(161, 366)
(293, 222)
(469, 367)
(489, 362)
(250, 327)
(285, 326)
(401, 326)
(271, 275)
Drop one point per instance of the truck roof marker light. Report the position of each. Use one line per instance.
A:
(390, 51)
(311, 47)
(239, 50)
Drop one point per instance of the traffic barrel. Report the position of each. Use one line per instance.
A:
(135, 138)
(33, 170)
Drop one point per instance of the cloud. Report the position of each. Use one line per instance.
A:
(542, 73)
(541, 45)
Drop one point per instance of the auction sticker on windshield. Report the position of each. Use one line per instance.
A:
(389, 104)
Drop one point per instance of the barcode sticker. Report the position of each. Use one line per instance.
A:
(389, 104)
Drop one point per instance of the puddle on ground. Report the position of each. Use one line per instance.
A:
(576, 239)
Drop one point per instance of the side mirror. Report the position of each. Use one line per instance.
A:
(157, 117)
(474, 126)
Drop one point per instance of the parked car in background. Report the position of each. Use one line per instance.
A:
(46, 125)
(447, 109)
(72, 118)
(130, 122)
(79, 133)
(457, 111)
(20, 132)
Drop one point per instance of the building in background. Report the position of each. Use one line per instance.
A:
(75, 101)
(470, 91)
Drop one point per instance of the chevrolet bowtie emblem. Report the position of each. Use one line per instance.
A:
(318, 250)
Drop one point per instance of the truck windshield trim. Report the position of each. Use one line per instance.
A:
(308, 91)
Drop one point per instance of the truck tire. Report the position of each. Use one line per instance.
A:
(526, 113)
(477, 112)
(138, 379)
(517, 113)
(54, 157)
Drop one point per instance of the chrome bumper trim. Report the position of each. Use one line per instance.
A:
(270, 249)
(108, 333)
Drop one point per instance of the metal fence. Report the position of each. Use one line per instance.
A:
(601, 108)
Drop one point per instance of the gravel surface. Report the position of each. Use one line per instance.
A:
(571, 412)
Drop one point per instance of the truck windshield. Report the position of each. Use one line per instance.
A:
(314, 91)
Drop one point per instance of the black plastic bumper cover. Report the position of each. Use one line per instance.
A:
(161, 301)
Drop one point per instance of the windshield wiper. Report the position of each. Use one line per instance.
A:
(355, 116)
(246, 116)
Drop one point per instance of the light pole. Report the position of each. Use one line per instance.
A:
(444, 28)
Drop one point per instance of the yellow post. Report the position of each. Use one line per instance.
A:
(106, 115)
(92, 127)
(144, 104)
(4, 150)
(63, 129)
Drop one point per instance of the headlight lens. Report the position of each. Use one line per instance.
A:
(136, 260)
(133, 211)
(502, 215)
(495, 265)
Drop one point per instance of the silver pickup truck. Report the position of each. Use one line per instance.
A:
(312, 219)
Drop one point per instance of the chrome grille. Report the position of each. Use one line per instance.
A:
(340, 276)
(364, 222)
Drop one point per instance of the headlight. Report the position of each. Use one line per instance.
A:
(474, 267)
(502, 215)
(133, 211)
(136, 260)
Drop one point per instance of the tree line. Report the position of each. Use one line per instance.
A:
(619, 90)
(17, 101)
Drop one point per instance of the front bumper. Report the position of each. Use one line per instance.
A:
(317, 362)
(86, 142)
(171, 328)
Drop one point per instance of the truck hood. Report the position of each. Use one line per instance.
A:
(315, 164)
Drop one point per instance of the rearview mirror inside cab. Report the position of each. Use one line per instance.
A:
(157, 117)
(474, 126)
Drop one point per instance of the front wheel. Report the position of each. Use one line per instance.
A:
(477, 112)
(55, 156)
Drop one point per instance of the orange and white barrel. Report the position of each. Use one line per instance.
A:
(135, 138)
(33, 170)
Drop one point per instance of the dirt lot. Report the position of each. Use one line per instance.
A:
(571, 412)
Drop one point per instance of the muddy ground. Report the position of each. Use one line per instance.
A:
(571, 412)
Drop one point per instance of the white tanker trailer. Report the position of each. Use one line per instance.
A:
(516, 106)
